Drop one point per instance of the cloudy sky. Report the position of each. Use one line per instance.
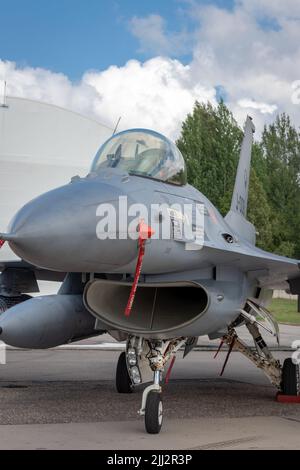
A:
(148, 61)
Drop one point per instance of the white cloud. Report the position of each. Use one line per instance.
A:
(150, 31)
(264, 108)
(254, 64)
(44, 85)
(252, 51)
(156, 94)
(275, 8)
(154, 38)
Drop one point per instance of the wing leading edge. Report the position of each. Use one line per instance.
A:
(271, 271)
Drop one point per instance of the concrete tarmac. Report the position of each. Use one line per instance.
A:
(66, 399)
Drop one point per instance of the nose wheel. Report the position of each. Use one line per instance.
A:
(159, 353)
(154, 412)
(123, 381)
(152, 406)
(135, 365)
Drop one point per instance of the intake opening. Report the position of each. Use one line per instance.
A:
(156, 309)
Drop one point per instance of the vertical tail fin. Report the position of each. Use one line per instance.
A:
(236, 217)
(239, 201)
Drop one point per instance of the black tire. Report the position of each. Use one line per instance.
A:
(290, 378)
(153, 413)
(123, 380)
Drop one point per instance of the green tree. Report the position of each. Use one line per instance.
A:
(210, 142)
(280, 147)
(259, 212)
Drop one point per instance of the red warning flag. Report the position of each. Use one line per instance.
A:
(145, 232)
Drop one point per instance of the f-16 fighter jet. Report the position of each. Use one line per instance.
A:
(147, 258)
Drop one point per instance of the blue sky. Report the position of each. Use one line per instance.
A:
(246, 51)
(73, 36)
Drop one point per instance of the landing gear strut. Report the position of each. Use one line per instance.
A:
(286, 378)
(160, 352)
(262, 357)
(154, 408)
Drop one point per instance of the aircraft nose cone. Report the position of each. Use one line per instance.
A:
(58, 230)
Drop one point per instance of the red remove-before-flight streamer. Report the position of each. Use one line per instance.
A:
(145, 232)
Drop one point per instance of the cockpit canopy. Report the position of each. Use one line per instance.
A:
(142, 152)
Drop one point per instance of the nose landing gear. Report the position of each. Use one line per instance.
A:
(160, 352)
(142, 360)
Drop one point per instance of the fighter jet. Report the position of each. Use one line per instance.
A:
(147, 258)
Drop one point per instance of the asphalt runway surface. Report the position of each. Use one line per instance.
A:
(66, 399)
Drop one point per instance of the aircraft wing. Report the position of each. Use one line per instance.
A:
(272, 271)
